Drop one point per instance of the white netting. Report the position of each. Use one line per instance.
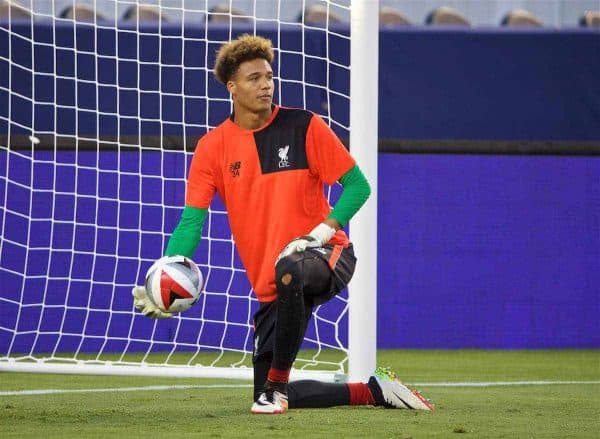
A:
(98, 122)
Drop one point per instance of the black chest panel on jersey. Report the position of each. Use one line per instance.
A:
(282, 145)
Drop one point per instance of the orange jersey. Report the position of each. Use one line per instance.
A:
(271, 181)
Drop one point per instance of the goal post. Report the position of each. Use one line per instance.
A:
(364, 52)
(98, 123)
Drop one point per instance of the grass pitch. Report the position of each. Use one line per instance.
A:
(474, 391)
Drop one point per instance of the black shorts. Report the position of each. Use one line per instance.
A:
(341, 262)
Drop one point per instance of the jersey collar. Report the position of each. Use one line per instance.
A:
(274, 111)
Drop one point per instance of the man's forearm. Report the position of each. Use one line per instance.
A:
(186, 237)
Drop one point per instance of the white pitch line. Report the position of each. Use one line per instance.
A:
(239, 386)
(501, 383)
(119, 389)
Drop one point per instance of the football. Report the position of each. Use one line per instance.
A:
(174, 283)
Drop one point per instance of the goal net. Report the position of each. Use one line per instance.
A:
(100, 111)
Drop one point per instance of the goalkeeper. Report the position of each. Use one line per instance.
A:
(269, 164)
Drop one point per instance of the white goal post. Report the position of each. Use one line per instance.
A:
(99, 115)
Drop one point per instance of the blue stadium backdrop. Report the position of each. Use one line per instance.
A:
(475, 250)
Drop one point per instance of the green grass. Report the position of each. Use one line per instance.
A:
(524, 411)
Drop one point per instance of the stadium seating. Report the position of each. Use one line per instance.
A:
(317, 14)
(224, 13)
(13, 11)
(520, 18)
(389, 16)
(446, 16)
(82, 12)
(590, 19)
(561, 13)
(145, 13)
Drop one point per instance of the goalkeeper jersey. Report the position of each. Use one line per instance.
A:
(271, 181)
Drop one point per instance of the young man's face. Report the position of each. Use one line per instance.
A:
(251, 87)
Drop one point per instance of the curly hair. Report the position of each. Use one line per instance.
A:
(245, 48)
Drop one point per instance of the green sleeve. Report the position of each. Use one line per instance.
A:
(186, 236)
(354, 195)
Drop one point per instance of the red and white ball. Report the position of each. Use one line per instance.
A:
(174, 283)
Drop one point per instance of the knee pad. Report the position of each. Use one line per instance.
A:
(289, 274)
(303, 272)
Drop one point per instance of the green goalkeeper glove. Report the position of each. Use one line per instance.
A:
(143, 304)
(318, 237)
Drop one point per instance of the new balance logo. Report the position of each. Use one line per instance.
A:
(283, 157)
(234, 168)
